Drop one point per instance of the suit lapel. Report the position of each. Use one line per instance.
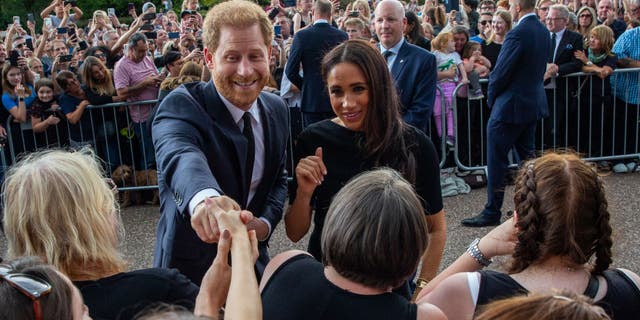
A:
(563, 43)
(224, 121)
(400, 63)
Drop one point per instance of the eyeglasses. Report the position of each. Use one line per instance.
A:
(544, 9)
(585, 16)
(485, 22)
(31, 286)
(100, 55)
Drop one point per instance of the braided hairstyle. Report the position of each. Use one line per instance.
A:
(562, 211)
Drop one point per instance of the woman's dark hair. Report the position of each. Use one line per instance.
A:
(57, 304)
(375, 232)
(91, 52)
(437, 16)
(170, 57)
(562, 211)
(383, 127)
(416, 31)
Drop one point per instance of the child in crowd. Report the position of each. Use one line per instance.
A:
(476, 67)
(450, 71)
(44, 110)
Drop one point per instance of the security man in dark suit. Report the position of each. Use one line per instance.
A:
(517, 100)
(413, 69)
(309, 47)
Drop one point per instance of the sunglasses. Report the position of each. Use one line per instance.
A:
(485, 22)
(31, 286)
(585, 16)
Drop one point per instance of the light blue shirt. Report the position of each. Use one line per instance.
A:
(395, 49)
(626, 85)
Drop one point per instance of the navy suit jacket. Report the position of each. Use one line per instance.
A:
(199, 146)
(309, 47)
(564, 58)
(516, 92)
(414, 74)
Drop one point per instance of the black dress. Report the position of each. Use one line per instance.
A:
(344, 159)
(123, 295)
(621, 302)
(298, 289)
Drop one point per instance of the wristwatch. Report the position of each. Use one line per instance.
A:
(589, 63)
(477, 255)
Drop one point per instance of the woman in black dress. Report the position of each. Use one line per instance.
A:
(368, 132)
(374, 238)
(414, 33)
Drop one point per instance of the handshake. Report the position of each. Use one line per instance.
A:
(216, 214)
(224, 284)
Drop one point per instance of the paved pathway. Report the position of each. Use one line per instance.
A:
(622, 193)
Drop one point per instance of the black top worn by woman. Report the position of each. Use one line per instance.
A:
(621, 302)
(124, 295)
(298, 289)
(344, 159)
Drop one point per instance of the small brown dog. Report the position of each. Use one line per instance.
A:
(124, 176)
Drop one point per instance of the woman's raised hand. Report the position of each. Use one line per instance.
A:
(310, 172)
(501, 240)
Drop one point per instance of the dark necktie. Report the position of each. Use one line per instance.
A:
(552, 50)
(247, 131)
(387, 54)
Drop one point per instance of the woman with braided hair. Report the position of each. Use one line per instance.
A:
(559, 239)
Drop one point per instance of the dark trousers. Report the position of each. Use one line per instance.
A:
(148, 156)
(501, 138)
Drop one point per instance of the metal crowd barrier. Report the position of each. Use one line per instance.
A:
(107, 129)
(584, 116)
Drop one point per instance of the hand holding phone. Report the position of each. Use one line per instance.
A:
(13, 57)
(65, 58)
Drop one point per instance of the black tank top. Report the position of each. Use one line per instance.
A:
(621, 302)
(298, 289)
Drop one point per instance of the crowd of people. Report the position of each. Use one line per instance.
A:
(207, 102)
